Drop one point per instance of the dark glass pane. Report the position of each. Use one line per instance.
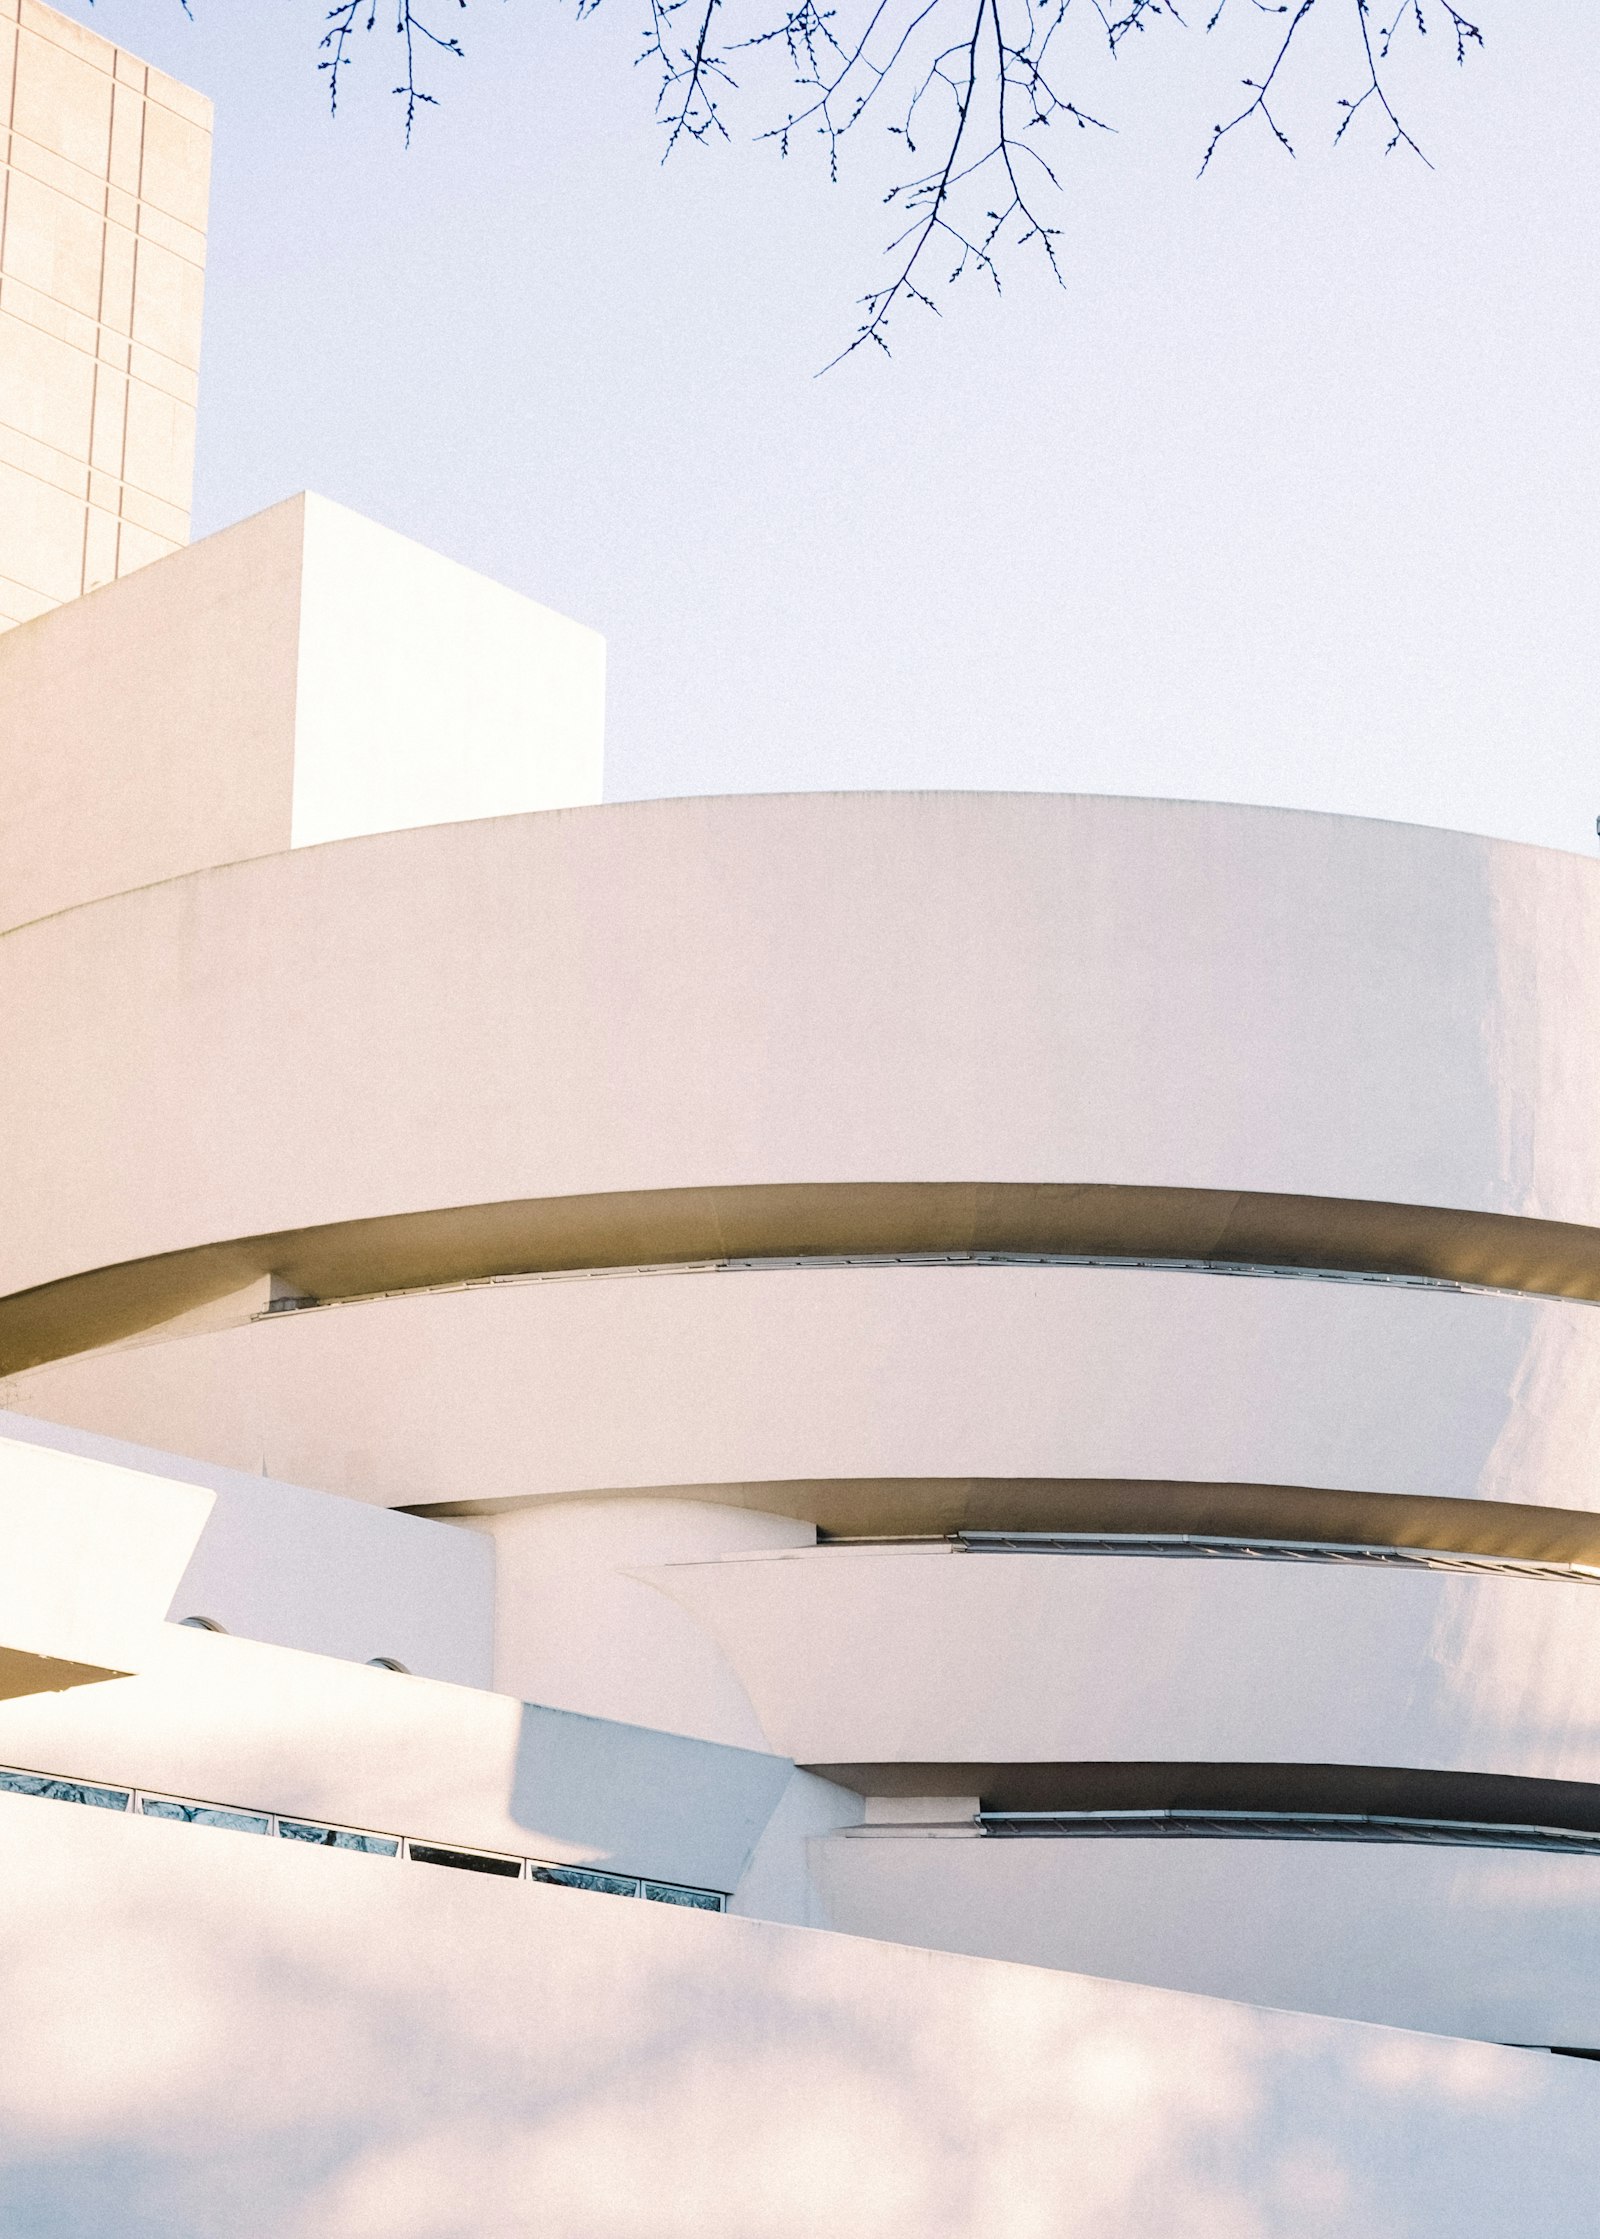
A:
(665, 1893)
(470, 1861)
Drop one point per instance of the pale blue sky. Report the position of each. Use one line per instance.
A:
(1290, 496)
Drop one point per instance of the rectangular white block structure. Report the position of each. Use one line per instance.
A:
(303, 676)
(104, 177)
(425, 694)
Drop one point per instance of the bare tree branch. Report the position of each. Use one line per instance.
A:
(969, 90)
(348, 17)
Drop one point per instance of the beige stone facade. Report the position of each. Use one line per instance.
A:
(104, 172)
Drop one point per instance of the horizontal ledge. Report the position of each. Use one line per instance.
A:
(1253, 1791)
(1150, 1515)
(1225, 1231)
(1287, 1826)
(1254, 1547)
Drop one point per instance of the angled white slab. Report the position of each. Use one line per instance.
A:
(89, 1557)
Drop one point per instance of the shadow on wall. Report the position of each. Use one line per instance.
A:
(639, 1801)
(217, 2037)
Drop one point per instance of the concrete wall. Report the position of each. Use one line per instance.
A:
(300, 676)
(878, 1655)
(721, 1030)
(212, 2035)
(1495, 1944)
(699, 996)
(236, 1723)
(580, 1621)
(91, 1555)
(104, 176)
(811, 1391)
(303, 1569)
(427, 694)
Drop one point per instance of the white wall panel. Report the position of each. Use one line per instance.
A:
(519, 1390)
(266, 1729)
(242, 2036)
(302, 1569)
(850, 988)
(1498, 1944)
(868, 1655)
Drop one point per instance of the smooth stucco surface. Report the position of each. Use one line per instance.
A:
(523, 1390)
(844, 989)
(252, 2036)
(1497, 1944)
(238, 1723)
(854, 1655)
(304, 1569)
(92, 1555)
(298, 677)
(427, 694)
(835, 1032)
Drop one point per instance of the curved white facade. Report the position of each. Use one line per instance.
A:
(661, 1126)
(712, 1378)
(1011, 1377)
(890, 1007)
(741, 1171)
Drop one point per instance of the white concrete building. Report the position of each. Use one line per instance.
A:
(959, 1429)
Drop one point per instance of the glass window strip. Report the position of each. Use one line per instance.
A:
(339, 1838)
(206, 1815)
(191, 1811)
(64, 1791)
(465, 1861)
(585, 1877)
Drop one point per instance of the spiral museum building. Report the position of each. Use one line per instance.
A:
(960, 1429)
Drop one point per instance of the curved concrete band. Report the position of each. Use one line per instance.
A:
(935, 1658)
(1281, 1034)
(1484, 1943)
(671, 1230)
(863, 1399)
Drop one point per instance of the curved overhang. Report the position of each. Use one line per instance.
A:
(660, 1231)
(824, 1025)
(929, 1398)
(887, 1510)
(1420, 1795)
(924, 1657)
(1492, 1943)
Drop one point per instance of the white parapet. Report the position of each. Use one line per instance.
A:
(252, 1729)
(426, 694)
(259, 2036)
